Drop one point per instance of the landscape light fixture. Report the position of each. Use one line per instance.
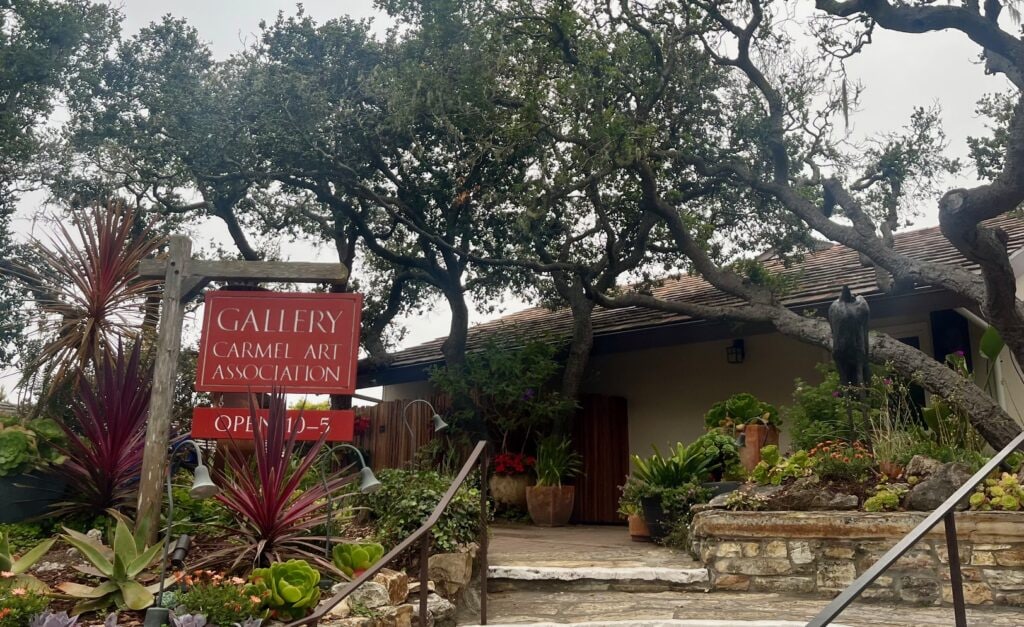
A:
(203, 487)
(439, 423)
(368, 484)
(736, 352)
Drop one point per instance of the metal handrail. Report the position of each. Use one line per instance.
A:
(478, 456)
(945, 512)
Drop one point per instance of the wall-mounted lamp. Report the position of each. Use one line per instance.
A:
(368, 484)
(439, 423)
(735, 353)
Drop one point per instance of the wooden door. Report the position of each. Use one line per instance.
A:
(601, 436)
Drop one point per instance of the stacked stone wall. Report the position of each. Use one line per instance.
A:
(822, 553)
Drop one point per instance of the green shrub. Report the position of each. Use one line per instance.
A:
(677, 503)
(842, 461)
(22, 536)
(18, 606)
(197, 517)
(741, 409)
(886, 499)
(28, 445)
(407, 497)
(224, 601)
(1005, 493)
(773, 469)
(724, 452)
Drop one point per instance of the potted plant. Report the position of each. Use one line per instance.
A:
(727, 472)
(26, 451)
(670, 483)
(549, 502)
(632, 511)
(755, 422)
(511, 478)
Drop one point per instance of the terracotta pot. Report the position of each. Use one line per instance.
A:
(756, 436)
(550, 506)
(638, 531)
(510, 490)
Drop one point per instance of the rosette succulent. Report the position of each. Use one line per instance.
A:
(289, 589)
(1005, 493)
(353, 559)
(54, 619)
(18, 450)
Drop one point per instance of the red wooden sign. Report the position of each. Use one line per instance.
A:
(256, 341)
(221, 423)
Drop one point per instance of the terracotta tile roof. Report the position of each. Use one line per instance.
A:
(816, 279)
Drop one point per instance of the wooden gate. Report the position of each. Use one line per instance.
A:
(385, 438)
(601, 436)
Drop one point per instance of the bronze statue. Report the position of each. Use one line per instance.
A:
(849, 316)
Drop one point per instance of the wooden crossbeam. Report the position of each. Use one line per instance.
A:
(287, 271)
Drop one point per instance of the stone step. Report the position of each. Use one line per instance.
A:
(502, 578)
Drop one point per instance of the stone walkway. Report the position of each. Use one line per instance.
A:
(640, 607)
(579, 546)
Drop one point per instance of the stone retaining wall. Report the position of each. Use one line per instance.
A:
(823, 552)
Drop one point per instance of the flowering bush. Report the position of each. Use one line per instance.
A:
(19, 605)
(842, 461)
(513, 463)
(223, 600)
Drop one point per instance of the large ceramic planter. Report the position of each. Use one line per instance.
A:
(28, 496)
(638, 531)
(510, 490)
(550, 506)
(755, 437)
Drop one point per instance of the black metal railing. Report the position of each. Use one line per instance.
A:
(947, 514)
(478, 457)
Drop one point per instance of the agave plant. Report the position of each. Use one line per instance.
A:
(104, 457)
(87, 287)
(18, 567)
(118, 565)
(272, 514)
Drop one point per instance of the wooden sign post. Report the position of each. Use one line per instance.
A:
(184, 278)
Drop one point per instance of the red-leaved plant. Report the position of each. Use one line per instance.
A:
(104, 457)
(273, 515)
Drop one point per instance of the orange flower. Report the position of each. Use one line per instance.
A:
(18, 592)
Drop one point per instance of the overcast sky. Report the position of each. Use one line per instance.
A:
(899, 72)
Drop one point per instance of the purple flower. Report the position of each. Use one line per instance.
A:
(528, 394)
(887, 381)
(959, 353)
(835, 393)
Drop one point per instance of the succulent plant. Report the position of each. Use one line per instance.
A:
(249, 622)
(353, 559)
(18, 566)
(54, 619)
(1005, 493)
(187, 620)
(118, 566)
(289, 589)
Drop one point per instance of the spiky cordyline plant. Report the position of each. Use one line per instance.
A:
(273, 516)
(87, 287)
(103, 461)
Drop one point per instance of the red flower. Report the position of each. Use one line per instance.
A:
(512, 463)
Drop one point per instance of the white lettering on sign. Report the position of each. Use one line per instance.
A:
(268, 321)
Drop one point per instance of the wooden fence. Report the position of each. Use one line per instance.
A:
(386, 440)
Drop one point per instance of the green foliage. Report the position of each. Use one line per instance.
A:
(925, 445)
(511, 386)
(407, 497)
(23, 535)
(745, 501)
(352, 559)
(773, 469)
(725, 453)
(17, 567)
(684, 464)
(18, 606)
(290, 590)
(28, 445)
(886, 498)
(556, 461)
(740, 409)
(197, 517)
(1004, 494)
(118, 566)
(677, 503)
(842, 461)
(819, 412)
(630, 494)
(221, 600)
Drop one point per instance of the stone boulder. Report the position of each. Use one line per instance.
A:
(933, 491)
(922, 466)
(450, 571)
(807, 494)
(720, 501)
(370, 595)
(396, 583)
